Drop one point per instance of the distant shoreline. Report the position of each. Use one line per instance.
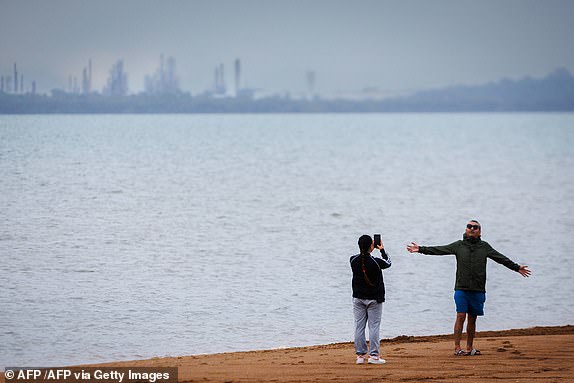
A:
(71, 104)
(553, 93)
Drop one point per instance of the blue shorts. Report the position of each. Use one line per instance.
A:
(471, 302)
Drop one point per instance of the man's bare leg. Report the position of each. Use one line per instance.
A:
(458, 326)
(470, 331)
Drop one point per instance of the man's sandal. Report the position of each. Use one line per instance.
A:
(460, 353)
(474, 352)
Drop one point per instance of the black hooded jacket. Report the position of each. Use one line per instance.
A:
(369, 284)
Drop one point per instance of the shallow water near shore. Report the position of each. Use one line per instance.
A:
(134, 236)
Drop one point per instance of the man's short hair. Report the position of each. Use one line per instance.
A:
(365, 242)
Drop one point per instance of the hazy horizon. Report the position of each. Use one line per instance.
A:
(390, 47)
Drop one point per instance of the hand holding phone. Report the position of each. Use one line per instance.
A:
(377, 240)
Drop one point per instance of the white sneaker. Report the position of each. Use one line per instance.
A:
(376, 360)
(360, 359)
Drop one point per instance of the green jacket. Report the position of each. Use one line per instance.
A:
(471, 255)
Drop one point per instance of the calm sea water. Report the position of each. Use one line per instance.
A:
(126, 237)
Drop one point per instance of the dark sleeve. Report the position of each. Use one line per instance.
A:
(499, 258)
(385, 261)
(440, 250)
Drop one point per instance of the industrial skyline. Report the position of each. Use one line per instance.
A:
(384, 47)
(14, 83)
(164, 80)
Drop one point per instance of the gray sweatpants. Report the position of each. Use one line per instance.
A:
(367, 310)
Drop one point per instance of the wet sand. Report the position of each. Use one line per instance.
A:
(538, 354)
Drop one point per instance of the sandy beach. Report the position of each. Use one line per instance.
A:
(537, 354)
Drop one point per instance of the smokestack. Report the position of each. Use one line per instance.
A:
(311, 83)
(161, 71)
(21, 83)
(222, 77)
(90, 76)
(237, 76)
(85, 81)
(15, 79)
(1, 84)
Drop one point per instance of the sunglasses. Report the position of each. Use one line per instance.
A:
(472, 227)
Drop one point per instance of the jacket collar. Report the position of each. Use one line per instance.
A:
(470, 240)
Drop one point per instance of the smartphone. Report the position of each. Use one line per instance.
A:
(377, 239)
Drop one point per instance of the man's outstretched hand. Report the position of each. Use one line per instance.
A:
(413, 248)
(524, 271)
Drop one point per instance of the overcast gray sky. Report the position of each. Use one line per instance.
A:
(397, 46)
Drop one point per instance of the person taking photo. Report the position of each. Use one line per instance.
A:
(368, 297)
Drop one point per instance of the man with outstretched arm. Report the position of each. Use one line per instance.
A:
(470, 287)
